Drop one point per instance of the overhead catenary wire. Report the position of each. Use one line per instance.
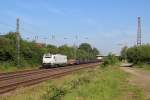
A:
(34, 37)
(23, 30)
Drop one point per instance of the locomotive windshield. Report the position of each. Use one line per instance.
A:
(47, 56)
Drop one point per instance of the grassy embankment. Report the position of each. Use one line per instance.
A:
(145, 67)
(8, 67)
(108, 83)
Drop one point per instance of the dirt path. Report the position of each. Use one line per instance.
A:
(140, 78)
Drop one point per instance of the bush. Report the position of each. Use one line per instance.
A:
(111, 59)
(54, 93)
(139, 54)
(58, 92)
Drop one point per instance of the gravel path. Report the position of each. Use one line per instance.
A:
(140, 78)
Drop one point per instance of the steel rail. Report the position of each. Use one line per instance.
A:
(22, 80)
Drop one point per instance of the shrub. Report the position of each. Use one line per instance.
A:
(54, 93)
(139, 54)
(111, 59)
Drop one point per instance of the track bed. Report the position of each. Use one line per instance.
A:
(13, 80)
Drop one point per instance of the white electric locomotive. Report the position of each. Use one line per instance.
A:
(51, 60)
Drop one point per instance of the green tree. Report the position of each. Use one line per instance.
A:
(123, 53)
(52, 49)
(31, 52)
(66, 50)
(81, 54)
(111, 59)
(86, 47)
(139, 54)
(95, 51)
(90, 52)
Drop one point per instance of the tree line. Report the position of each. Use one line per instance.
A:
(31, 52)
(136, 54)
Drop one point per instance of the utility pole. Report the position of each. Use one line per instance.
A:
(76, 46)
(139, 32)
(36, 38)
(18, 42)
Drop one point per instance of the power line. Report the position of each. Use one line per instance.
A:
(10, 26)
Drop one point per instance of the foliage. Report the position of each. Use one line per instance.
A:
(95, 51)
(31, 52)
(93, 84)
(88, 51)
(52, 49)
(123, 53)
(7, 47)
(54, 93)
(81, 54)
(139, 54)
(86, 47)
(69, 51)
(101, 84)
(111, 59)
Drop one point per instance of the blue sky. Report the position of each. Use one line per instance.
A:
(103, 23)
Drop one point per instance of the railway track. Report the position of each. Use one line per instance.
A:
(13, 80)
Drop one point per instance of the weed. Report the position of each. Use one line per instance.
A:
(54, 93)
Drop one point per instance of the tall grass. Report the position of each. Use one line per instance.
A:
(10, 66)
(143, 66)
(103, 84)
(108, 83)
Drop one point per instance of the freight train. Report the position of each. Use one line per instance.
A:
(55, 60)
